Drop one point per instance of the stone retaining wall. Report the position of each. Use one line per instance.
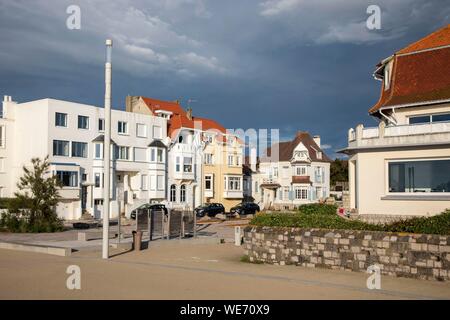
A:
(404, 255)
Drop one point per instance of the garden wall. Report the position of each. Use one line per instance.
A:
(404, 255)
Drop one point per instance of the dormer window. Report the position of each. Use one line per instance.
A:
(387, 75)
(318, 155)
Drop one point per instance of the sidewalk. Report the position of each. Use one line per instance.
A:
(183, 271)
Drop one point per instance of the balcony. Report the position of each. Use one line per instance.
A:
(180, 175)
(402, 135)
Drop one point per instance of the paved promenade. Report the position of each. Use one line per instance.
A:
(186, 271)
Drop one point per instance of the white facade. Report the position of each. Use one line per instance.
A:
(288, 184)
(401, 169)
(185, 169)
(71, 134)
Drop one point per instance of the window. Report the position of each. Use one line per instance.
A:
(143, 182)
(301, 193)
(157, 134)
(101, 124)
(60, 148)
(286, 192)
(141, 130)
(424, 176)
(187, 164)
(300, 171)
(319, 176)
(208, 182)
(208, 158)
(98, 151)
(83, 122)
(230, 160)
(234, 183)
(173, 193)
(140, 154)
(237, 162)
(183, 193)
(153, 155)
(429, 118)
(122, 127)
(60, 119)
(441, 117)
(79, 149)
(160, 155)
(97, 180)
(122, 153)
(419, 119)
(177, 165)
(68, 178)
(160, 182)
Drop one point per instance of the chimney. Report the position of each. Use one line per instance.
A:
(6, 104)
(189, 113)
(317, 140)
(253, 158)
(128, 104)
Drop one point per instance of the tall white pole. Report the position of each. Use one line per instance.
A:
(107, 151)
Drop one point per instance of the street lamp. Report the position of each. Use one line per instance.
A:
(107, 151)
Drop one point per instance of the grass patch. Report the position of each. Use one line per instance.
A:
(321, 217)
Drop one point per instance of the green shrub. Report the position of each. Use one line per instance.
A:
(439, 224)
(12, 223)
(317, 208)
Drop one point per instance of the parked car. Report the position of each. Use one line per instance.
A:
(152, 206)
(245, 208)
(209, 209)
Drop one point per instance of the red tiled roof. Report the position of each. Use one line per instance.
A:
(286, 149)
(436, 39)
(179, 118)
(419, 77)
(301, 179)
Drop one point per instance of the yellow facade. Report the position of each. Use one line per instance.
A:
(223, 161)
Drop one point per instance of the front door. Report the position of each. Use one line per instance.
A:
(83, 198)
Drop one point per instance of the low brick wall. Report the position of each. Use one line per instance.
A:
(404, 255)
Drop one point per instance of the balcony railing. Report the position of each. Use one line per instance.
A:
(402, 134)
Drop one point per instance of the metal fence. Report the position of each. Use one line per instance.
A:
(156, 224)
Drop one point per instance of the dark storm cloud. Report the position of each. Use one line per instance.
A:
(288, 64)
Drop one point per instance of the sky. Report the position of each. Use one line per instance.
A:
(292, 65)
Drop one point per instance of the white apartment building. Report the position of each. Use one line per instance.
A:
(401, 167)
(71, 134)
(297, 172)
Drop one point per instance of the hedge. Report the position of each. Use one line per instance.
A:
(322, 219)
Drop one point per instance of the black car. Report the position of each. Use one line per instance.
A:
(245, 208)
(209, 209)
(153, 207)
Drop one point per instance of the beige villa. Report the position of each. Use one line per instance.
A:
(402, 166)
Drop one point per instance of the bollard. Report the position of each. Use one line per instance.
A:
(137, 240)
(237, 236)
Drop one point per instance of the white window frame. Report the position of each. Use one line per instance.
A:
(65, 119)
(299, 192)
(122, 127)
(87, 122)
(209, 177)
(426, 194)
(144, 182)
(142, 134)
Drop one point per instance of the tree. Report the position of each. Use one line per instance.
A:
(40, 191)
(338, 171)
